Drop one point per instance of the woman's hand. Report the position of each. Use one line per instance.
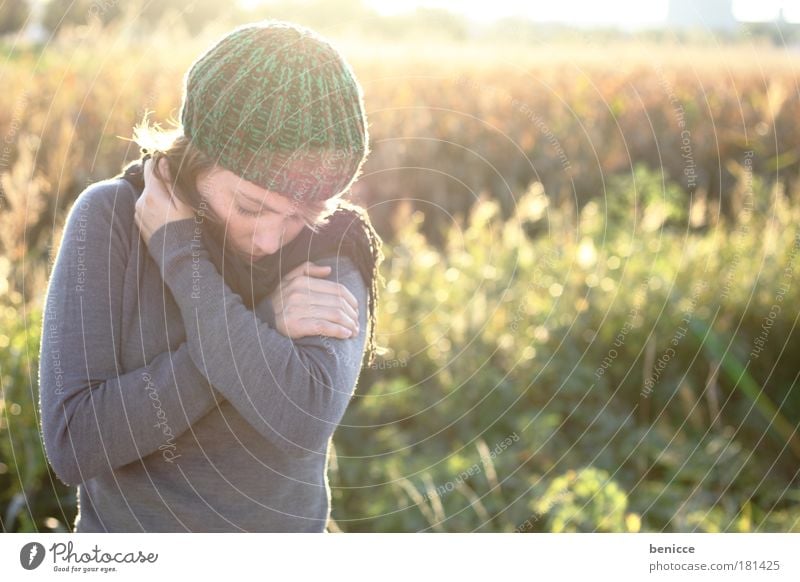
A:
(156, 206)
(305, 304)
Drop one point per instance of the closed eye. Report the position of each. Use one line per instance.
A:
(246, 212)
(296, 217)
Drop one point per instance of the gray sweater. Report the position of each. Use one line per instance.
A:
(167, 402)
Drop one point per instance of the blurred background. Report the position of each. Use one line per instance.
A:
(589, 213)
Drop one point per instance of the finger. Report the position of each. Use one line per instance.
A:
(325, 286)
(322, 327)
(179, 205)
(316, 291)
(163, 170)
(313, 298)
(334, 315)
(307, 268)
(328, 300)
(313, 270)
(148, 169)
(163, 166)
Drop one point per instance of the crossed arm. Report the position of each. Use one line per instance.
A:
(96, 417)
(294, 392)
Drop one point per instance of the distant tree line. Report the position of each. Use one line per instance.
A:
(353, 16)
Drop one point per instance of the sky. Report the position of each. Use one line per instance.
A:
(625, 13)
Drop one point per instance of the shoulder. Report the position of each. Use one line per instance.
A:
(113, 194)
(348, 235)
(347, 353)
(101, 215)
(105, 202)
(342, 268)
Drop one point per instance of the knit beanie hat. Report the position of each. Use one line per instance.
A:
(277, 105)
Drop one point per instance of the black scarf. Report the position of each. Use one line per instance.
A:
(348, 232)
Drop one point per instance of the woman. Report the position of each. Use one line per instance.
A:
(210, 307)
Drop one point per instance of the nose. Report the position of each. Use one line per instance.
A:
(267, 241)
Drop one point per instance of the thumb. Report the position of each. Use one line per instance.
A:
(307, 268)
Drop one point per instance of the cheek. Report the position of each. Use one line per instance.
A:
(237, 226)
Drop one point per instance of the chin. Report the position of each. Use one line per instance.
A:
(255, 258)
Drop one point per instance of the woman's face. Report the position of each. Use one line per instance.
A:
(259, 222)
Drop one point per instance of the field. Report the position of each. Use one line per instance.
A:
(592, 278)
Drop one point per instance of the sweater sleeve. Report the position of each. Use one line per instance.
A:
(95, 417)
(293, 392)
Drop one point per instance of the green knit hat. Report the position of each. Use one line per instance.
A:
(277, 105)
